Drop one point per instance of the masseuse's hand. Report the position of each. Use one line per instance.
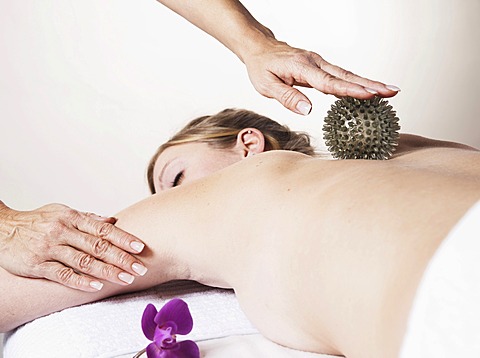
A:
(75, 249)
(273, 66)
(276, 67)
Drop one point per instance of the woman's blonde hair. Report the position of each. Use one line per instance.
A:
(220, 131)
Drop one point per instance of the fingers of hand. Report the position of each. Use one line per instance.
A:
(107, 243)
(84, 263)
(330, 84)
(350, 84)
(272, 86)
(108, 231)
(57, 272)
(292, 98)
(103, 251)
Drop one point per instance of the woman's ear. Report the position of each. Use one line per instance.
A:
(251, 141)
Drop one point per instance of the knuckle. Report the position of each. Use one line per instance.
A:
(123, 259)
(304, 59)
(108, 271)
(348, 76)
(65, 274)
(32, 262)
(71, 215)
(42, 243)
(85, 262)
(329, 83)
(104, 229)
(64, 211)
(316, 57)
(56, 229)
(288, 98)
(69, 212)
(301, 57)
(37, 271)
(100, 247)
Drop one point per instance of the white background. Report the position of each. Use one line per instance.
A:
(89, 89)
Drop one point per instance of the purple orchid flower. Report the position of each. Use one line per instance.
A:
(162, 328)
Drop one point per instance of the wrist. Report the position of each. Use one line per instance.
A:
(257, 40)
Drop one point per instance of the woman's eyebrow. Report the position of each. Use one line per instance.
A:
(162, 173)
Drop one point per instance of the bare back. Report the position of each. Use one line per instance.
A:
(323, 255)
(348, 242)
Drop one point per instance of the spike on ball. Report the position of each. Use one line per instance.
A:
(361, 129)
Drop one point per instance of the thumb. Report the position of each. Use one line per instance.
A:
(291, 98)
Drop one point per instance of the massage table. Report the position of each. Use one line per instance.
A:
(112, 327)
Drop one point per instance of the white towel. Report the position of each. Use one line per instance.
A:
(112, 327)
(445, 319)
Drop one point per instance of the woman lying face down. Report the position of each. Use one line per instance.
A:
(324, 256)
(210, 143)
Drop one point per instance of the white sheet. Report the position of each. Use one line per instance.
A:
(111, 328)
(247, 346)
(445, 318)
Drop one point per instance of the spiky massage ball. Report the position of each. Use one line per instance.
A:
(361, 129)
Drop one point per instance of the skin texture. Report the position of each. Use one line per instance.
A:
(69, 247)
(323, 255)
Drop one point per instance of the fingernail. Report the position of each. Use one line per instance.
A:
(140, 269)
(126, 277)
(96, 285)
(137, 246)
(304, 107)
(393, 88)
(370, 90)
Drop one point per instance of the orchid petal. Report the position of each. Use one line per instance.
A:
(176, 311)
(187, 349)
(148, 322)
(154, 352)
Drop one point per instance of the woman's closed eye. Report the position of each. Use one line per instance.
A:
(178, 179)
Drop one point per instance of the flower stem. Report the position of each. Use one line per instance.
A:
(140, 353)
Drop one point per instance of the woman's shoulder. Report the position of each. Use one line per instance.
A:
(266, 167)
(409, 143)
(279, 161)
(283, 156)
(277, 167)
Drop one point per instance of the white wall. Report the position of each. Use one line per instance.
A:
(89, 89)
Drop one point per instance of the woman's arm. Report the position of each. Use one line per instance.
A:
(228, 21)
(273, 66)
(184, 230)
(24, 299)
